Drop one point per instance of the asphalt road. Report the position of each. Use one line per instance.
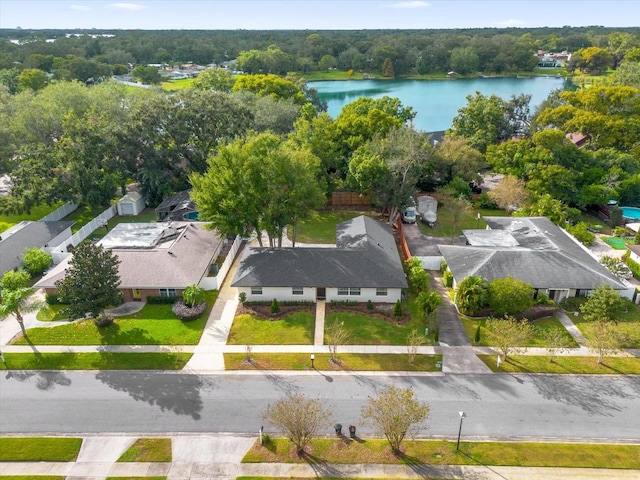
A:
(549, 406)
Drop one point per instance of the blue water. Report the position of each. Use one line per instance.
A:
(436, 101)
(631, 212)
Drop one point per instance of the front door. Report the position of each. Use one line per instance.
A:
(321, 293)
(136, 294)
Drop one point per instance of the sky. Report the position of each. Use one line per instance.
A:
(315, 14)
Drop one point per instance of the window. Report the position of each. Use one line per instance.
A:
(354, 291)
(381, 292)
(297, 291)
(348, 291)
(343, 291)
(167, 292)
(256, 290)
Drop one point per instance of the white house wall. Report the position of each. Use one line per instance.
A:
(430, 262)
(309, 295)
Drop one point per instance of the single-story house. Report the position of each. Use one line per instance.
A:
(29, 234)
(178, 207)
(158, 259)
(534, 250)
(364, 265)
(131, 204)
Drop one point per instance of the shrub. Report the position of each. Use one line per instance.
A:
(582, 234)
(369, 305)
(192, 295)
(476, 337)
(447, 278)
(36, 261)
(103, 320)
(634, 267)
(186, 313)
(158, 300)
(52, 299)
(275, 307)
(443, 267)
(485, 201)
(508, 296)
(615, 216)
(397, 309)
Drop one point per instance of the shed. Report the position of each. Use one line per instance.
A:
(131, 204)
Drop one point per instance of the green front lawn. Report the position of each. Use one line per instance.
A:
(468, 221)
(50, 313)
(442, 452)
(321, 226)
(9, 220)
(366, 330)
(293, 329)
(180, 84)
(560, 365)
(628, 323)
(322, 361)
(95, 361)
(153, 325)
(148, 450)
(540, 326)
(39, 449)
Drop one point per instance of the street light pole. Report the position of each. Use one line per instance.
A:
(462, 416)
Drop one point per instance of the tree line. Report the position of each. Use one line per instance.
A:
(88, 56)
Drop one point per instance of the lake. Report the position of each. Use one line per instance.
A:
(435, 101)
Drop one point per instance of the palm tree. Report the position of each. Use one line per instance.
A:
(471, 294)
(17, 302)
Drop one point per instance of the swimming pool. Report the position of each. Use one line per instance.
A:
(631, 212)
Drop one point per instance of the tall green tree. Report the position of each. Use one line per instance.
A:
(261, 183)
(603, 305)
(91, 282)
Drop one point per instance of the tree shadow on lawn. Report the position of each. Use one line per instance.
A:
(178, 393)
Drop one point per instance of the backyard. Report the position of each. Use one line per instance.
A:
(321, 226)
(9, 220)
(468, 221)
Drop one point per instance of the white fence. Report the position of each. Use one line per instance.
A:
(60, 213)
(214, 283)
(60, 252)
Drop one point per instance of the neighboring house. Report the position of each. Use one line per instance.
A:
(634, 252)
(28, 234)
(534, 250)
(364, 265)
(131, 204)
(578, 139)
(155, 258)
(177, 207)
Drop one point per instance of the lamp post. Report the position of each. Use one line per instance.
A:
(313, 357)
(462, 416)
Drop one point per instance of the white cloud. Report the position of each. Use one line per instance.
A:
(410, 4)
(511, 23)
(80, 8)
(132, 7)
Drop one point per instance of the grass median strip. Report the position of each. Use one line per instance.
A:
(148, 450)
(348, 362)
(561, 364)
(95, 361)
(442, 452)
(39, 449)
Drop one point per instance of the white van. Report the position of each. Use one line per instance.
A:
(410, 212)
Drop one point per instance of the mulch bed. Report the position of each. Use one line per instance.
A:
(264, 311)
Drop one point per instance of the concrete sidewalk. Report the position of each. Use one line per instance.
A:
(220, 457)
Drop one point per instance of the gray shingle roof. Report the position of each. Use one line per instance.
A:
(545, 257)
(155, 267)
(366, 256)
